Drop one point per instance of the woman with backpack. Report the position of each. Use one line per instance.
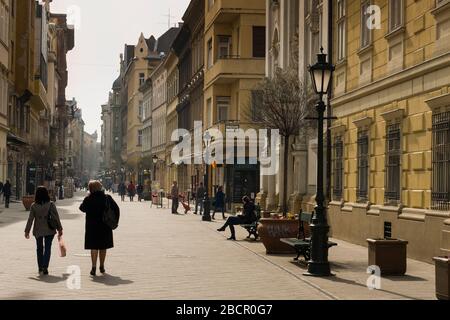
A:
(98, 236)
(43, 229)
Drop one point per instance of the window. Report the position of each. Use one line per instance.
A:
(141, 79)
(338, 169)
(259, 42)
(363, 166)
(396, 9)
(341, 26)
(223, 104)
(208, 113)
(393, 164)
(441, 162)
(70, 145)
(366, 34)
(3, 95)
(139, 138)
(210, 53)
(224, 47)
(4, 23)
(141, 110)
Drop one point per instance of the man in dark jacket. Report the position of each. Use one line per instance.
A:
(248, 216)
(7, 193)
(199, 196)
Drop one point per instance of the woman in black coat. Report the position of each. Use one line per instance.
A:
(98, 236)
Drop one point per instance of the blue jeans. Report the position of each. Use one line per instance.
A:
(44, 250)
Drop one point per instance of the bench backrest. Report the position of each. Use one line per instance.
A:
(305, 217)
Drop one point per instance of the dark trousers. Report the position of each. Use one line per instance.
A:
(7, 201)
(122, 197)
(219, 209)
(44, 251)
(199, 203)
(231, 222)
(175, 205)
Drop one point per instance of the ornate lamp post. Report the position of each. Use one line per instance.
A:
(321, 74)
(155, 160)
(206, 203)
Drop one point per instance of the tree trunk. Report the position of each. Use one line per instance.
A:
(285, 174)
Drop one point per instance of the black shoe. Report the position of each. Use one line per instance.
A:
(221, 229)
(233, 238)
(40, 270)
(45, 271)
(102, 270)
(93, 272)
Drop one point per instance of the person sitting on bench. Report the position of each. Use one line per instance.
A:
(248, 217)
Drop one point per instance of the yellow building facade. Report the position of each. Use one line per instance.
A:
(234, 65)
(391, 142)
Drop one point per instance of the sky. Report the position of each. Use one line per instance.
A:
(102, 27)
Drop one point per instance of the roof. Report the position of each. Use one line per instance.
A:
(165, 41)
(151, 43)
(117, 85)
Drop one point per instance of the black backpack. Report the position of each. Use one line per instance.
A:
(111, 215)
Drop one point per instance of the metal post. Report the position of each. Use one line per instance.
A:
(319, 265)
(206, 203)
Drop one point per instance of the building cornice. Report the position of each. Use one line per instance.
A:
(426, 67)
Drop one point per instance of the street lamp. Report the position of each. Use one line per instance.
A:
(155, 160)
(321, 74)
(206, 203)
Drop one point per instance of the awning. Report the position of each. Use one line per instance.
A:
(15, 140)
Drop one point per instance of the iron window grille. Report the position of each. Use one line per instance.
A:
(338, 168)
(363, 166)
(441, 162)
(393, 164)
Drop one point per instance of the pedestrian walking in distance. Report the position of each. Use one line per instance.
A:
(43, 230)
(131, 191)
(140, 192)
(122, 191)
(7, 193)
(98, 235)
(219, 203)
(175, 194)
(1, 190)
(248, 217)
(199, 195)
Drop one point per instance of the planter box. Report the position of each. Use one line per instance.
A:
(390, 255)
(272, 230)
(27, 201)
(442, 278)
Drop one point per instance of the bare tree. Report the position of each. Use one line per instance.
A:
(282, 103)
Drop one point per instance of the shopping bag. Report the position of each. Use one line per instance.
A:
(62, 247)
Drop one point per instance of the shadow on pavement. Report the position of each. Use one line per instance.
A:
(405, 278)
(50, 278)
(109, 280)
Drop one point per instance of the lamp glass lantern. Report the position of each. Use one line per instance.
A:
(321, 73)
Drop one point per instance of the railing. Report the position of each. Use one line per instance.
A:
(441, 162)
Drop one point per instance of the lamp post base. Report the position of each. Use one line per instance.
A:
(318, 269)
(319, 265)
(206, 211)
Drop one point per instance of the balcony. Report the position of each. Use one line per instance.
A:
(229, 69)
(39, 98)
(225, 11)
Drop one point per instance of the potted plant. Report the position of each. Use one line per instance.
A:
(390, 255)
(442, 277)
(271, 230)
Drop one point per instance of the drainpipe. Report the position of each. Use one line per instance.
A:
(330, 94)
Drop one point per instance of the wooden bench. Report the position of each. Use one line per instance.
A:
(302, 244)
(252, 228)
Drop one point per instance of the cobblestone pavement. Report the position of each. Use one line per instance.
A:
(163, 256)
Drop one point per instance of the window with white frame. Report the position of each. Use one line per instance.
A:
(341, 30)
(224, 47)
(366, 33)
(223, 104)
(139, 138)
(396, 13)
(4, 23)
